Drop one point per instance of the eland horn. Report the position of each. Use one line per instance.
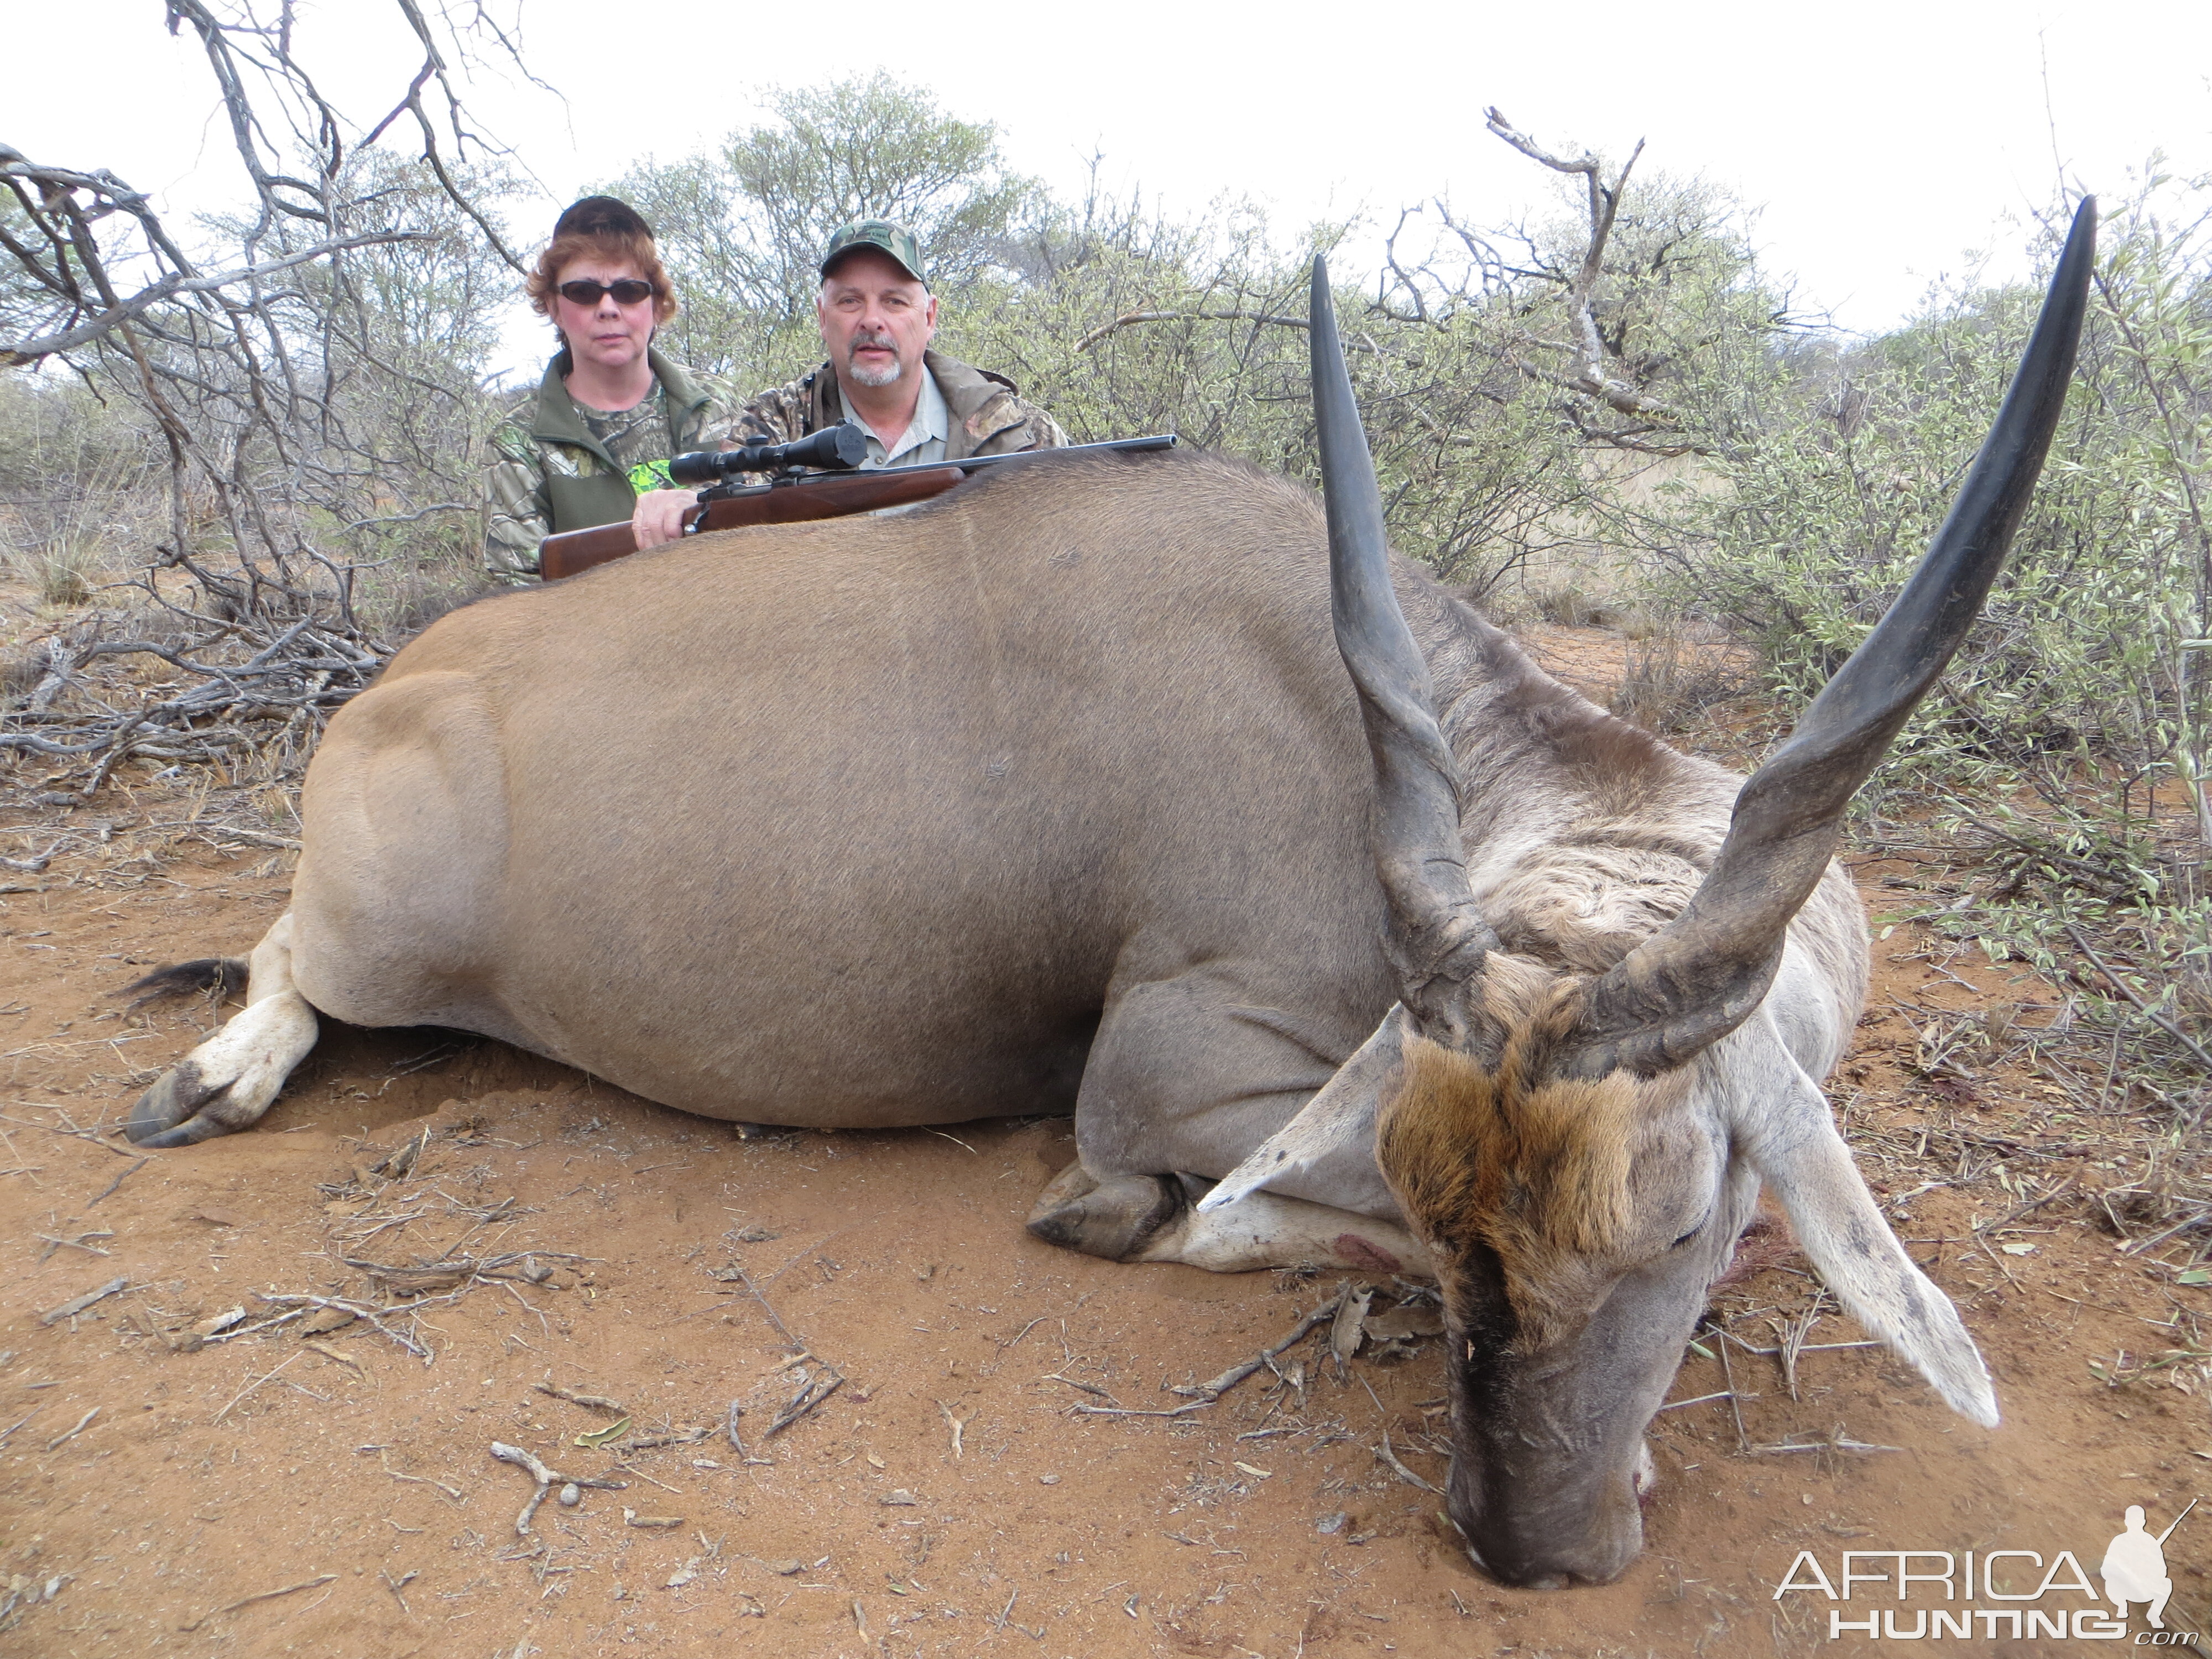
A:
(1438, 939)
(1700, 977)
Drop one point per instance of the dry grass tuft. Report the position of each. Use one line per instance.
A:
(1671, 678)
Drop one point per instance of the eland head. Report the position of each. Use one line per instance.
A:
(1579, 1150)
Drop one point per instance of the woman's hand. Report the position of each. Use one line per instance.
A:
(659, 517)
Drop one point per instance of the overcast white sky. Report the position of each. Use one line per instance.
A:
(1882, 142)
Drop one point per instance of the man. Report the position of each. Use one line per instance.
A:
(917, 406)
(2134, 1568)
(590, 445)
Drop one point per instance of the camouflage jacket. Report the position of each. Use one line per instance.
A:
(988, 417)
(557, 466)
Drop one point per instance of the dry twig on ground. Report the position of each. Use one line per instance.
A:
(547, 1478)
(1205, 1394)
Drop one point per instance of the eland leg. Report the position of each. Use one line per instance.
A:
(1155, 1218)
(1188, 1074)
(227, 1082)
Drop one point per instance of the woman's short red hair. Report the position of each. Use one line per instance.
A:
(615, 246)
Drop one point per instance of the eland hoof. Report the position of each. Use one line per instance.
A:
(180, 1110)
(1115, 1218)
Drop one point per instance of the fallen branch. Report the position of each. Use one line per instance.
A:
(463, 1274)
(598, 1402)
(1698, 1400)
(1228, 1379)
(453, 1492)
(958, 1425)
(812, 1393)
(55, 1242)
(83, 1423)
(78, 1305)
(547, 1478)
(1404, 1473)
(1835, 1442)
(1075, 1382)
(358, 1310)
(1205, 1394)
(774, 1318)
(2032, 1206)
(265, 1595)
(117, 1181)
(1140, 1410)
(252, 1386)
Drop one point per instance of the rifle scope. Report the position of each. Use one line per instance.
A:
(837, 448)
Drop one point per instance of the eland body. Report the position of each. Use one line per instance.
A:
(1054, 794)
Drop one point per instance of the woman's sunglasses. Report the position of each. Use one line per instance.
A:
(628, 292)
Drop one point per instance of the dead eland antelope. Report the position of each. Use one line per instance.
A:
(1053, 793)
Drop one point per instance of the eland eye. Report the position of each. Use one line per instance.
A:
(1688, 1236)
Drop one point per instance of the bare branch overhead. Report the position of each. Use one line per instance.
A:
(15, 353)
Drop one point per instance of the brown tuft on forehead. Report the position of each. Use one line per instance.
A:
(1535, 1167)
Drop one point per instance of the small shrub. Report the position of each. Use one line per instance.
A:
(1669, 679)
(21, 672)
(1567, 604)
(61, 571)
(410, 599)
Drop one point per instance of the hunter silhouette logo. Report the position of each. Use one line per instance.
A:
(2133, 1568)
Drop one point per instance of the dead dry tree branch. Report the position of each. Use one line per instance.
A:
(1384, 1453)
(286, 689)
(598, 1402)
(1130, 319)
(300, 381)
(78, 1305)
(1591, 367)
(20, 353)
(263, 1595)
(1604, 207)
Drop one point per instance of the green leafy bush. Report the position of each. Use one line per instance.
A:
(2072, 736)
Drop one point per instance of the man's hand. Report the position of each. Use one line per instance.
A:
(659, 516)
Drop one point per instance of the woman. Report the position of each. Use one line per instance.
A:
(591, 444)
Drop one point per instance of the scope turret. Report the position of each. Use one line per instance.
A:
(833, 448)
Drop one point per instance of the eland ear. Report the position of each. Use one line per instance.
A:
(1792, 1141)
(1336, 1124)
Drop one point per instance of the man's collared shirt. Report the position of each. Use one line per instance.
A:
(922, 443)
(983, 413)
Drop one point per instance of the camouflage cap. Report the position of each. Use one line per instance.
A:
(884, 237)
(599, 215)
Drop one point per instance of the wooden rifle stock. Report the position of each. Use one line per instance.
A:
(820, 497)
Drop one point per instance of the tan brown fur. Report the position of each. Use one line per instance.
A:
(1534, 1166)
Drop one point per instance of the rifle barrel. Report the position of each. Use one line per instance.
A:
(2178, 1520)
(1127, 445)
(967, 464)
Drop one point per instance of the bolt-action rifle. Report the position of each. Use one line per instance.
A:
(795, 492)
